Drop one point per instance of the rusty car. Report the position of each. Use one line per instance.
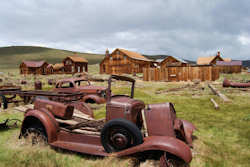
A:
(130, 128)
(92, 93)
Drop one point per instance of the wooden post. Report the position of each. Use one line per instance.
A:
(218, 93)
(216, 106)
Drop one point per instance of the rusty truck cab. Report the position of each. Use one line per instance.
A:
(123, 106)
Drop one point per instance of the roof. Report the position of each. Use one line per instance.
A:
(58, 66)
(78, 59)
(205, 60)
(50, 65)
(34, 64)
(232, 63)
(176, 58)
(133, 55)
(227, 59)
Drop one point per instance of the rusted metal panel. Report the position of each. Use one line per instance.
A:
(160, 117)
(57, 109)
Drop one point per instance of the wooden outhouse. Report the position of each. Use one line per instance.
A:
(123, 61)
(33, 67)
(75, 64)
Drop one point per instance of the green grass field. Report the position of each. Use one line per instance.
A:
(222, 139)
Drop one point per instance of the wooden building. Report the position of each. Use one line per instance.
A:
(229, 67)
(171, 61)
(75, 64)
(209, 60)
(123, 61)
(33, 67)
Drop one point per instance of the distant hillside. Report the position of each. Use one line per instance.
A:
(246, 63)
(11, 57)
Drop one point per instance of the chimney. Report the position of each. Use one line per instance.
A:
(107, 53)
(218, 53)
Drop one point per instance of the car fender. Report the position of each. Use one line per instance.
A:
(96, 98)
(189, 128)
(161, 143)
(47, 120)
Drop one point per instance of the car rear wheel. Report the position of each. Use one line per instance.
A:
(35, 135)
(167, 160)
(119, 134)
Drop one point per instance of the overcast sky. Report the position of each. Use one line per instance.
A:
(183, 28)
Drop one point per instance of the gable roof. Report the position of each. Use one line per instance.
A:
(34, 64)
(232, 63)
(176, 58)
(77, 59)
(133, 55)
(207, 60)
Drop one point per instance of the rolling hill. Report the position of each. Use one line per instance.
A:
(11, 57)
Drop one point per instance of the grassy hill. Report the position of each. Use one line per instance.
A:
(11, 57)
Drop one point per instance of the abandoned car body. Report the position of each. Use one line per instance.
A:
(130, 128)
(93, 94)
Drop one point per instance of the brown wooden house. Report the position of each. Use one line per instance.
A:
(33, 67)
(171, 61)
(211, 60)
(75, 64)
(123, 61)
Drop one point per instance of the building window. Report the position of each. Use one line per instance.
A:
(117, 52)
(68, 62)
(79, 69)
(72, 68)
(110, 58)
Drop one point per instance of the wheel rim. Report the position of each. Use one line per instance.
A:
(119, 139)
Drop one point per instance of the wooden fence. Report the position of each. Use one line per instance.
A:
(203, 73)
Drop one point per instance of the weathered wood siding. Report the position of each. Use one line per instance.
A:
(203, 73)
(230, 69)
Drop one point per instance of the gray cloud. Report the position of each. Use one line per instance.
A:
(186, 29)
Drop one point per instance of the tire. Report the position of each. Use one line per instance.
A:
(168, 160)
(37, 135)
(119, 134)
(4, 103)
